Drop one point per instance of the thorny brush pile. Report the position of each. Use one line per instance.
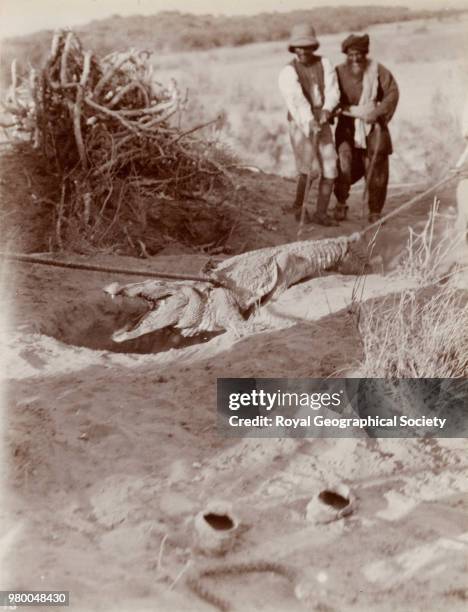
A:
(103, 128)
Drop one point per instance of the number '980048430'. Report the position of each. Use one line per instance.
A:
(33, 598)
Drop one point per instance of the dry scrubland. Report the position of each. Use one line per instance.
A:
(428, 58)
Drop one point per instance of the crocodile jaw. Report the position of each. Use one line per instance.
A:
(165, 313)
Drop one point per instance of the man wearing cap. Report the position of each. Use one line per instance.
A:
(369, 97)
(310, 89)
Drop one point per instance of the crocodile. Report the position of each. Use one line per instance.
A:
(234, 286)
(190, 307)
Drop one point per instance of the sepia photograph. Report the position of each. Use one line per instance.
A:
(234, 305)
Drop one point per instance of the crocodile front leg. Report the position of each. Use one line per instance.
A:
(220, 312)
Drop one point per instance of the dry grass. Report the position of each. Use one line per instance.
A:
(423, 331)
(428, 252)
(417, 336)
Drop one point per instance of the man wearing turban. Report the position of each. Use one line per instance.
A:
(310, 89)
(369, 97)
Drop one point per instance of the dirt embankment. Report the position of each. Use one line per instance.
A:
(247, 217)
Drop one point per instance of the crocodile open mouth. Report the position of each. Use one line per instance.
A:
(133, 322)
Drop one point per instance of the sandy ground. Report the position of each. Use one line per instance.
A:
(110, 456)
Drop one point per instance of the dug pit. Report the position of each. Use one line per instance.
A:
(92, 325)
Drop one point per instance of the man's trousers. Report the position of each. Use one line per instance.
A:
(353, 164)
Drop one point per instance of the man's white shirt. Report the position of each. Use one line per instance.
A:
(296, 102)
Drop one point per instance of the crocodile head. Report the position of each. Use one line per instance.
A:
(170, 304)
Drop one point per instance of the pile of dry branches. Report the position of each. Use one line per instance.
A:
(103, 127)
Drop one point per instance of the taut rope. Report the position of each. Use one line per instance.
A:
(92, 268)
(409, 203)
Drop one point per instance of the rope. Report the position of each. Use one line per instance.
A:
(79, 266)
(304, 204)
(310, 180)
(194, 581)
(409, 203)
(370, 171)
